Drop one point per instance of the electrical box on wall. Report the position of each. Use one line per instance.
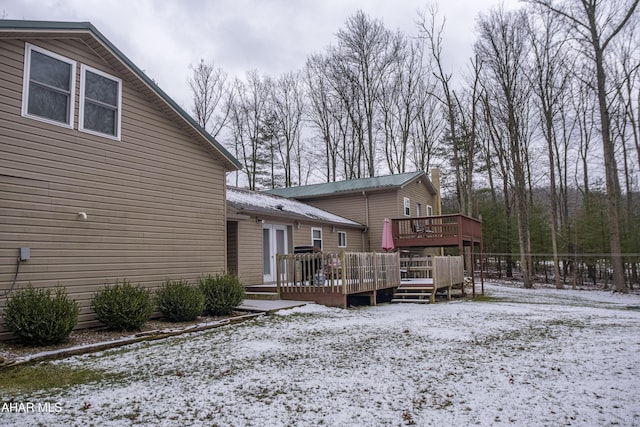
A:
(25, 254)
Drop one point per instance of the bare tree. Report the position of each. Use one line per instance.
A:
(287, 106)
(400, 103)
(496, 153)
(349, 110)
(322, 112)
(368, 52)
(248, 122)
(596, 24)
(550, 79)
(468, 129)
(209, 89)
(428, 128)
(503, 45)
(432, 33)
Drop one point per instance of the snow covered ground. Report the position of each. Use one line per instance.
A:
(528, 358)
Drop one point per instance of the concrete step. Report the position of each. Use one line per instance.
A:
(271, 296)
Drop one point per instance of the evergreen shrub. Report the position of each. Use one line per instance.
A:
(179, 301)
(40, 316)
(123, 307)
(222, 293)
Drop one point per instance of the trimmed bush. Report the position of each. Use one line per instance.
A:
(40, 316)
(178, 301)
(123, 307)
(221, 293)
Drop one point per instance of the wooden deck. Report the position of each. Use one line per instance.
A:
(436, 231)
(442, 231)
(424, 277)
(329, 278)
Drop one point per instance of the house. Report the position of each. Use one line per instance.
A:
(418, 228)
(370, 200)
(261, 225)
(102, 175)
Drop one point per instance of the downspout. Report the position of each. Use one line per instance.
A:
(366, 219)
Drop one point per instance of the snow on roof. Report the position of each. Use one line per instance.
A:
(268, 204)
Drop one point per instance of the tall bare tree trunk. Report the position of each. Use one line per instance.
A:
(591, 27)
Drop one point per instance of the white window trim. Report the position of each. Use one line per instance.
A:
(344, 233)
(418, 209)
(407, 205)
(313, 239)
(429, 210)
(25, 85)
(83, 70)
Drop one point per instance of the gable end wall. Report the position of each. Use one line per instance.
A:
(154, 200)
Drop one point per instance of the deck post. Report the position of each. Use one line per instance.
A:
(278, 278)
(375, 271)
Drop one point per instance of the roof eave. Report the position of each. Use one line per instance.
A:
(239, 210)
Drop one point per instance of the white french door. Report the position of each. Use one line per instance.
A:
(274, 241)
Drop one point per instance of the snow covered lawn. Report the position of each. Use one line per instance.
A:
(529, 357)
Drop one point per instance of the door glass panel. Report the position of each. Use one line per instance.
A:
(266, 250)
(280, 242)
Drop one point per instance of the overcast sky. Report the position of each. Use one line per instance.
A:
(164, 37)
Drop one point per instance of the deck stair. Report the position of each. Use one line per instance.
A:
(262, 292)
(423, 293)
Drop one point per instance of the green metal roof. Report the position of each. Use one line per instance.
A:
(349, 186)
(7, 25)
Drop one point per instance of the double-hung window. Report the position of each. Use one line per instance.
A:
(100, 103)
(49, 86)
(342, 239)
(316, 237)
(407, 207)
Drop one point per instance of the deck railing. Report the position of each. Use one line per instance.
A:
(343, 273)
(443, 270)
(448, 270)
(416, 267)
(443, 230)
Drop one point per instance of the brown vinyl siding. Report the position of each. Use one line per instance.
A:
(232, 247)
(416, 192)
(250, 262)
(380, 207)
(155, 200)
(302, 237)
(382, 204)
(350, 206)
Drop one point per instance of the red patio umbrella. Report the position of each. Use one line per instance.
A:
(387, 237)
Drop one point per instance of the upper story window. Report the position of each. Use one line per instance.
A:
(316, 237)
(100, 102)
(407, 207)
(342, 239)
(48, 87)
